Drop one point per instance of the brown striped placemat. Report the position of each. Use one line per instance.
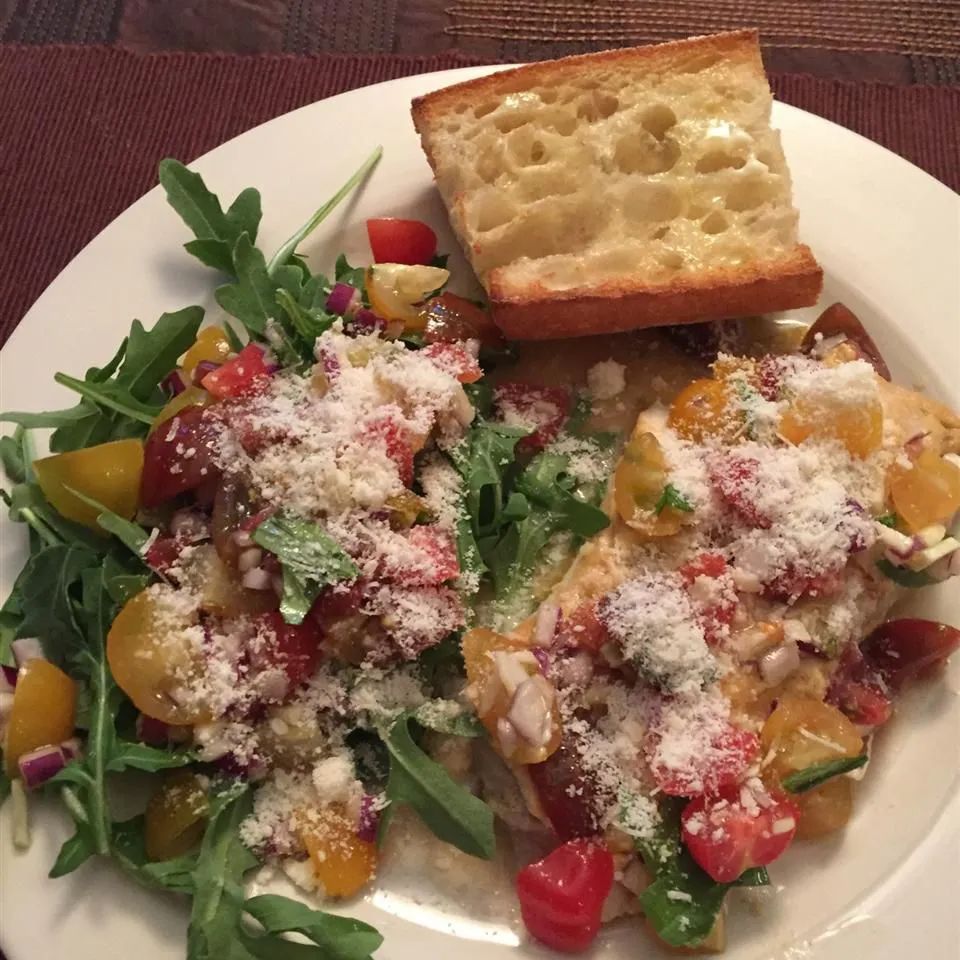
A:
(82, 128)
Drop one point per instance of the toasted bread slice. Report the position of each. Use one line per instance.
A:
(624, 189)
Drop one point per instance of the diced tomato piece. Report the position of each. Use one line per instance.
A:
(792, 584)
(295, 649)
(561, 897)
(566, 791)
(393, 240)
(543, 409)
(770, 376)
(859, 690)
(338, 601)
(706, 565)
(386, 430)
(583, 629)
(246, 374)
(454, 359)
(900, 649)
(717, 605)
(737, 830)
(178, 456)
(735, 479)
(431, 559)
(450, 318)
(163, 553)
(722, 763)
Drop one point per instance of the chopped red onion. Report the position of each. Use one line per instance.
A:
(545, 625)
(257, 579)
(71, 748)
(366, 321)
(340, 298)
(38, 766)
(530, 711)
(330, 363)
(27, 648)
(777, 664)
(543, 658)
(369, 820)
(202, 369)
(249, 558)
(151, 731)
(173, 384)
(914, 445)
(8, 678)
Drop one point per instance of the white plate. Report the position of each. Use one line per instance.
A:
(887, 235)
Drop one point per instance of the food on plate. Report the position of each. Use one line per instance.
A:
(624, 189)
(351, 579)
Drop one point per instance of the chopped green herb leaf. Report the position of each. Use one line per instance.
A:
(905, 577)
(672, 497)
(818, 773)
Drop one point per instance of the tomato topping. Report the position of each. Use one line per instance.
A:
(393, 240)
(561, 897)
(543, 409)
(342, 862)
(735, 479)
(722, 762)
(178, 457)
(431, 559)
(295, 649)
(716, 604)
(900, 649)
(792, 584)
(246, 374)
(859, 690)
(176, 816)
(838, 319)
(211, 345)
(163, 553)
(454, 359)
(449, 318)
(566, 792)
(583, 629)
(737, 829)
(385, 429)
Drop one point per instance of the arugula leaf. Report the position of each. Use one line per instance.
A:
(887, 519)
(112, 395)
(290, 245)
(128, 755)
(447, 716)
(216, 232)
(355, 276)
(130, 534)
(454, 814)
(672, 497)
(818, 773)
(339, 938)
(129, 850)
(309, 557)
(904, 576)
(50, 418)
(545, 482)
(252, 299)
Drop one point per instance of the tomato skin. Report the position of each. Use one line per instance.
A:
(583, 629)
(449, 318)
(565, 791)
(731, 751)
(387, 431)
(453, 359)
(393, 240)
(168, 470)
(561, 897)
(717, 613)
(295, 649)
(546, 408)
(859, 690)
(176, 817)
(900, 649)
(246, 374)
(432, 559)
(735, 479)
(726, 838)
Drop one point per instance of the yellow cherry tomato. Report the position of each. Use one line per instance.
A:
(639, 482)
(44, 704)
(703, 410)
(108, 473)
(825, 809)
(926, 493)
(211, 344)
(191, 397)
(394, 288)
(342, 862)
(176, 816)
(154, 652)
(858, 428)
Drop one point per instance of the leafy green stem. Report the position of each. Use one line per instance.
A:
(101, 395)
(287, 248)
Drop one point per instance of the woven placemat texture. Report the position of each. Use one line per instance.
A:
(82, 129)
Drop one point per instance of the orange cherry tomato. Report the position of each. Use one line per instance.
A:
(926, 493)
(211, 345)
(342, 862)
(858, 428)
(108, 473)
(703, 410)
(449, 318)
(825, 809)
(191, 397)
(44, 704)
(638, 483)
(176, 816)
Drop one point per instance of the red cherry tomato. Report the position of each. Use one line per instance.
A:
(178, 456)
(295, 649)
(793, 583)
(900, 649)
(561, 897)
(859, 690)
(401, 241)
(450, 318)
(716, 606)
(735, 479)
(247, 373)
(545, 409)
(583, 629)
(727, 836)
(453, 359)
(566, 792)
(722, 763)
(163, 553)
(429, 560)
(387, 431)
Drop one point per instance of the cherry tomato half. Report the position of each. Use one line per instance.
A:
(900, 649)
(178, 456)
(393, 240)
(242, 376)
